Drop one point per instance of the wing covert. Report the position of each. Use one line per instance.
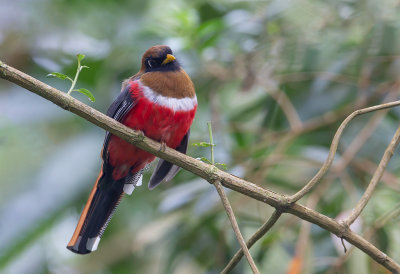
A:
(118, 109)
(166, 170)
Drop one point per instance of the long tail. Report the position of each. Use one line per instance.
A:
(103, 200)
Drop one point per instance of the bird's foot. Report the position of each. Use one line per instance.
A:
(141, 135)
(163, 146)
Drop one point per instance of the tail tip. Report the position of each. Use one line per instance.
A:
(91, 245)
(77, 251)
(129, 188)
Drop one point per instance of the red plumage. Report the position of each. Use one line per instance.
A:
(158, 122)
(159, 101)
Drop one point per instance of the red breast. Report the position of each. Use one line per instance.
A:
(165, 105)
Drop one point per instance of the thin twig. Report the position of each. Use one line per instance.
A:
(358, 142)
(365, 133)
(228, 207)
(344, 246)
(375, 179)
(211, 142)
(78, 71)
(253, 239)
(333, 148)
(235, 226)
(197, 167)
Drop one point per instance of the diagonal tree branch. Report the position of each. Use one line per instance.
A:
(208, 172)
(387, 217)
(375, 179)
(235, 225)
(256, 236)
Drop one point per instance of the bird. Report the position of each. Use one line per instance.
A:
(158, 101)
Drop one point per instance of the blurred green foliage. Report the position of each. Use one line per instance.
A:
(275, 77)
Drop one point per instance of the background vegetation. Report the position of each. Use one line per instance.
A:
(275, 77)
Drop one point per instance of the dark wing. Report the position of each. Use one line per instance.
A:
(166, 170)
(118, 109)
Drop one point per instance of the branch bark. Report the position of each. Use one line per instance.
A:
(375, 179)
(235, 226)
(208, 172)
(256, 236)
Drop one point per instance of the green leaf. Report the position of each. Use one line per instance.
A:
(205, 160)
(201, 144)
(87, 93)
(222, 165)
(59, 76)
(80, 57)
(82, 67)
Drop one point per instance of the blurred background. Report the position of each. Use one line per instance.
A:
(276, 78)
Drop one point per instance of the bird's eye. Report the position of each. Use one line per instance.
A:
(151, 63)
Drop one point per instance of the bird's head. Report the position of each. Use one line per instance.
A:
(159, 58)
(161, 72)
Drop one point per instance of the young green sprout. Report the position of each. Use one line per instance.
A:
(66, 77)
(211, 145)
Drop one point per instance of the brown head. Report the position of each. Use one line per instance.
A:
(159, 58)
(161, 72)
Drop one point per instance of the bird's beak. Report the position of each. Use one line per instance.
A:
(169, 58)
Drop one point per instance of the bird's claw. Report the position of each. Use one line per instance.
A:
(141, 134)
(163, 146)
